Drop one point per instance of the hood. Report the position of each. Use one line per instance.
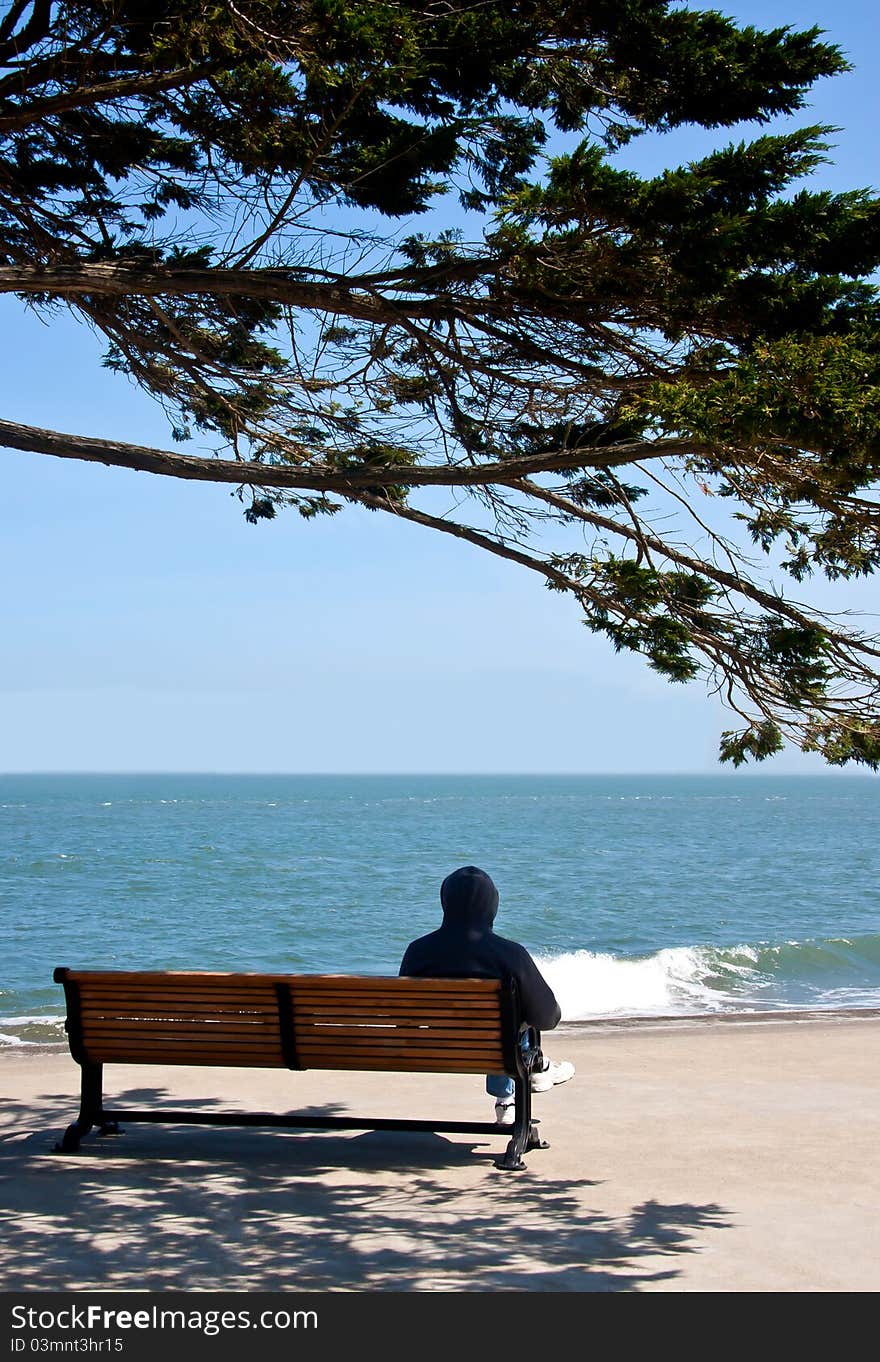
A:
(469, 899)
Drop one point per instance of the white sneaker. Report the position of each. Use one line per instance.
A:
(551, 1074)
(505, 1112)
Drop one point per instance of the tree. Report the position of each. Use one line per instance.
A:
(228, 194)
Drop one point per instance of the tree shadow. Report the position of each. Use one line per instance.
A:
(161, 1208)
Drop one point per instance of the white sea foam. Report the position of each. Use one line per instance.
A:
(589, 984)
(686, 979)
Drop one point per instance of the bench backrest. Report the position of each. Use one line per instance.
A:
(292, 1021)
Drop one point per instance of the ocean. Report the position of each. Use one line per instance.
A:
(637, 895)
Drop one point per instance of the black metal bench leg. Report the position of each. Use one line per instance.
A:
(522, 1127)
(91, 1102)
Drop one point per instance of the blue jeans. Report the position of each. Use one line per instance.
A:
(500, 1086)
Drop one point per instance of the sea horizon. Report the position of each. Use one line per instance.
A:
(744, 772)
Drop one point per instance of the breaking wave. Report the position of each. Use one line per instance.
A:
(684, 980)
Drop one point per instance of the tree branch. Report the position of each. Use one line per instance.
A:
(277, 285)
(144, 459)
(100, 94)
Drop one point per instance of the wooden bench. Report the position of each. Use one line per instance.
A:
(297, 1021)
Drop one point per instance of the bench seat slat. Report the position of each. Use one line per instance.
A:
(125, 979)
(194, 995)
(402, 1017)
(260, 1040)
(391, 1006)
(408, 1064)
(372, 983)
(342, 1034)
(118, 1039)
(209, 1026)
(178, 1011)
(164, 1054)
(339, 1034)
(435, 1050)
(440, 1030)
(362, 998)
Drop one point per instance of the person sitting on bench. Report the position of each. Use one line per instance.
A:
(466, 946)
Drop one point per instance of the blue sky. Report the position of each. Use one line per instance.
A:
(147, 627)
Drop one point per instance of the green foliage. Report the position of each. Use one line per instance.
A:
(261, 508)
(844, 742)
(644, 610)
(811, 406)
(758, 741)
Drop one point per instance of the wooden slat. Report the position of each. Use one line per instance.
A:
(342, 1034)
(393, 1007)
(206, 1007)
(134, 1035)
(129, 1036)
(210, 1006)
(175, 1007)
(251, 1003)
(305, 1003)
(236, 983)
(177, 978)
(358, 1052)
(372, 982)
(429, 1043)
(213, 1058)
(412, 1019)
(389, 1064)
(398, 988)
(162, 995)
(405, 1006)
(352, 983)
(303, 993)
(139, 1026)
(193, 990)
(171, 1011)
(192, 1046)
(172, 1057)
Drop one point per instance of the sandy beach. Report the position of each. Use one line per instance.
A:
(699, 1155)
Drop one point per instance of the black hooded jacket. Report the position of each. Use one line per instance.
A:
(466, 947)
